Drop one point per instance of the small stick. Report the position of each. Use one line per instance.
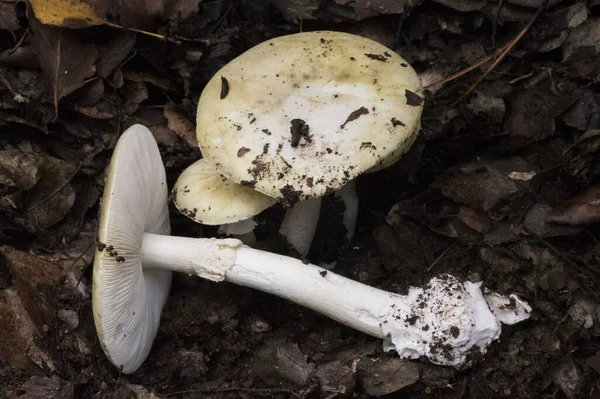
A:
(436, 261)
(512, 44)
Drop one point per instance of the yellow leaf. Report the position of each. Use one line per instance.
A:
(66, 13)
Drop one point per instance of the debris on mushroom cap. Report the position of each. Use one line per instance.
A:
(127, 299)
(205, 196)
(306, 113)
(396, 154)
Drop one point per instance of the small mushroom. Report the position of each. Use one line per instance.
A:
(444, 320)
(304, 115)
(205, 196)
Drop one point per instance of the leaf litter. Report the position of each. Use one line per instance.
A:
(501, 188)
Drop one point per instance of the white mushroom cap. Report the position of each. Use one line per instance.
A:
(204, 195)
(360, 102)
(127, 299)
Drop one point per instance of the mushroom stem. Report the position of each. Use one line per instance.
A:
(300, 224)
(347, 301)
(344, 300)
(444, 320)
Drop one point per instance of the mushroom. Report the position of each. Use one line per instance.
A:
(136, 255)
(207, 197)
(302, 115)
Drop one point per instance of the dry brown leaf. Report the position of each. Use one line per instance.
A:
(178, 123)
(8, 16)
(134, 93)
(66, 61)
(46, 181)
(19, 334)
(44, 387)
(147, 77)
(387, 375)
(582, 209)
(281, 360)
(113, 53)
(66, 13)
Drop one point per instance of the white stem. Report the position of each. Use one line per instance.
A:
(444, 320)
(348, 195)
(242, 230)
(209, 258)
(346, 301)
(300, 224)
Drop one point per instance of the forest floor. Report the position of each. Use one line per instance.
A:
(500, 187)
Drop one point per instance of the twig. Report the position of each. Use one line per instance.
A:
(436, 261)
(512, 44)
(53, 193)
(469, 69)
(234, 389)
(550, 247)
(494, 26)
(19, 43)
(81, 272)
(143, 32)
(57, 76)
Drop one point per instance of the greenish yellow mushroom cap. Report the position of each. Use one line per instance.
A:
(299, 116)
(205, 196)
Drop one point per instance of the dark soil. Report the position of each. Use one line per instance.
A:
(483, 194)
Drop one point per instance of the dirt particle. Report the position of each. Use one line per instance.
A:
(413, 99)
(396, 122)
(224, 87)
(367, 144)
(290, 196)
(248, 183)
(120, 259)
(323, 273)
(355, 115)
(455, 331)
(299, 130)
(266, 131)
(243, 151)
(309, 181)
(376, 57)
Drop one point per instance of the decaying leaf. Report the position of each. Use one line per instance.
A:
(369, 8)
(179, 124)
(281, 360)
(72, 14)
(480, 189)
(583, 209)
(113, 53)
(21, 330)
(296, 10)
(568, 376)
(8, 16)
(44, 387)
(532, 112)
(335, 377)
(65, 59)
(134, 93)
(45, 179)
(387, 375)
(586, 35)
